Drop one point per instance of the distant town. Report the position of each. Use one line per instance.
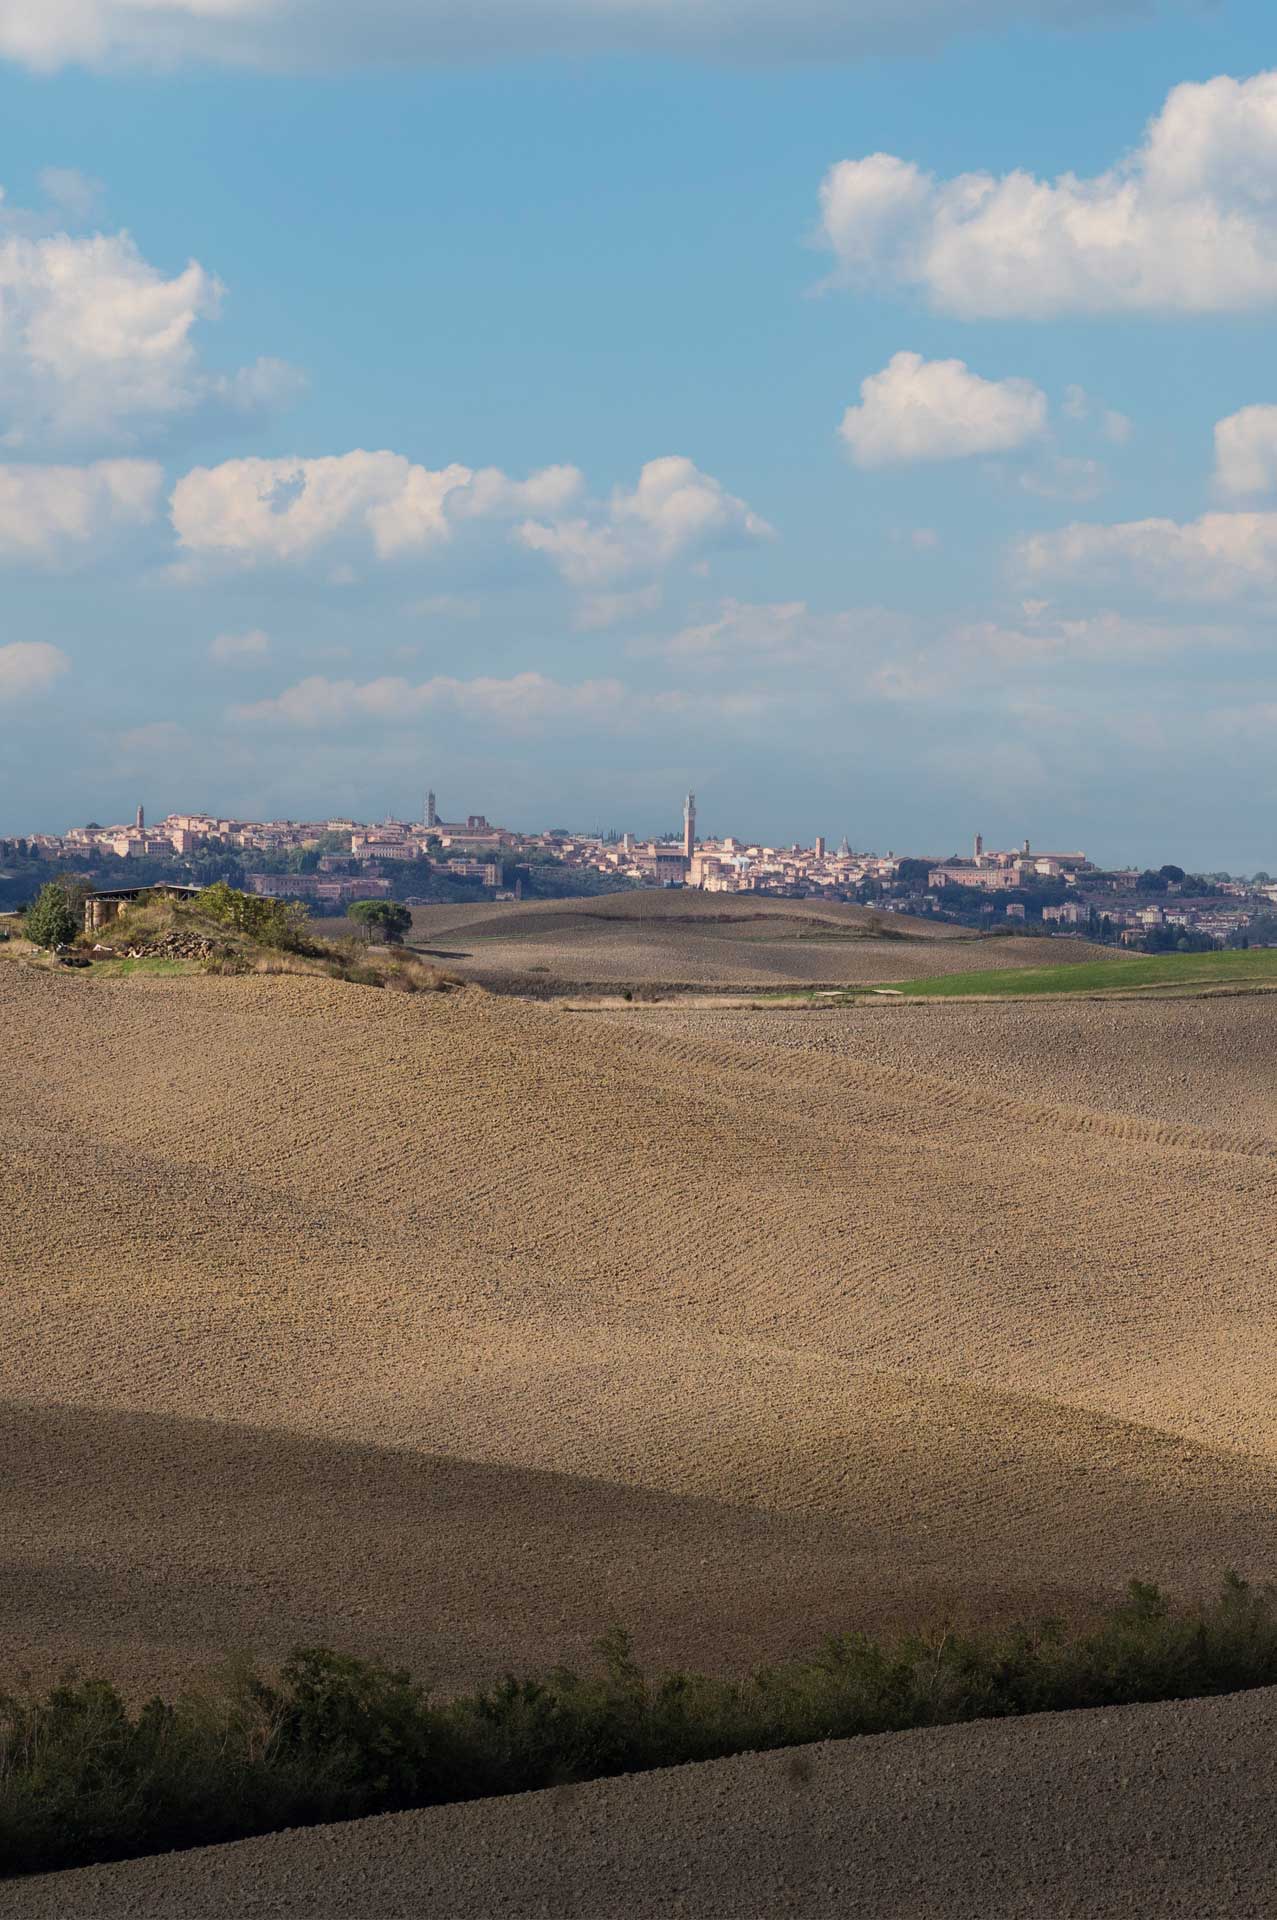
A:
(330, 864)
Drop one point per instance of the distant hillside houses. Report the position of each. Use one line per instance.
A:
(999, 872)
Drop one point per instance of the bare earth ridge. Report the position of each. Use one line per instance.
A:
(452, 1328)
(1159, 1811)
(673, 940)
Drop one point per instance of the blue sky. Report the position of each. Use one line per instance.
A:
(535, 429)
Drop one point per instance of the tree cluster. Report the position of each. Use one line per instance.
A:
(52, 919)
(384, 919)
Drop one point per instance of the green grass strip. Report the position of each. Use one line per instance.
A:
(1226, 968)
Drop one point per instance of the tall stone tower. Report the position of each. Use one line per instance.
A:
(689, 826)
(979, 845)
(432, 818)
(140, 821)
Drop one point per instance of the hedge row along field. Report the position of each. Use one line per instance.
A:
(84, 1780)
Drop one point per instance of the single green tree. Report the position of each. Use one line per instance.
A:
(50, 920)
(380, 917)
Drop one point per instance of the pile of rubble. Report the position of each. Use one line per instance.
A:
(169, 946)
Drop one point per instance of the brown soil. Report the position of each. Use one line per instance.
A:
(679, 941)
(451, 1328)
(1134, 1813)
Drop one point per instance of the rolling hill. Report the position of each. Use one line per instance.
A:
(677, 939)
(452, 1328)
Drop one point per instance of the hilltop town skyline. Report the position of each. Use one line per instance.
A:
(333, 862)
(283, 828)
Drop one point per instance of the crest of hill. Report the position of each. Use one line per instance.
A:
(670, 907)
(685, 941)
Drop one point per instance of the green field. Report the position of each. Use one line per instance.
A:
(1257, 967)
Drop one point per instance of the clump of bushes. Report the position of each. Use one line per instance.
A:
(259, 916)
(51, 920)
(239, 933)
(83, 1778)
(380, 919)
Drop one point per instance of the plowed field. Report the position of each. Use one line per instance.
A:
(1133, 1813)
(452, 1328)
(674, 940)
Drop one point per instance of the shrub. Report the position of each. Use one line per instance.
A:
(271, 922)
(225, 963)
(50, 920)
(82, 1778)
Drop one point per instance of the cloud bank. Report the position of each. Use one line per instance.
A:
(1220, 556)
(384, 507)
(521, 703)
(309, 33)
(286, 510)
(1187, 223)
(53, 515)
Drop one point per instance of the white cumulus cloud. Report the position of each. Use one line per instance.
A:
(1246, 451)
(1187, 223)
(96, 343)
(675, 510)
(287, 510)
(383, 506)
(46, 34)
(918, 409)
(1220, 556)
(30, 666)
(50, 515)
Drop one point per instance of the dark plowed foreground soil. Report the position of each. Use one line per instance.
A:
(453, 1328)
(1136, 1813)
